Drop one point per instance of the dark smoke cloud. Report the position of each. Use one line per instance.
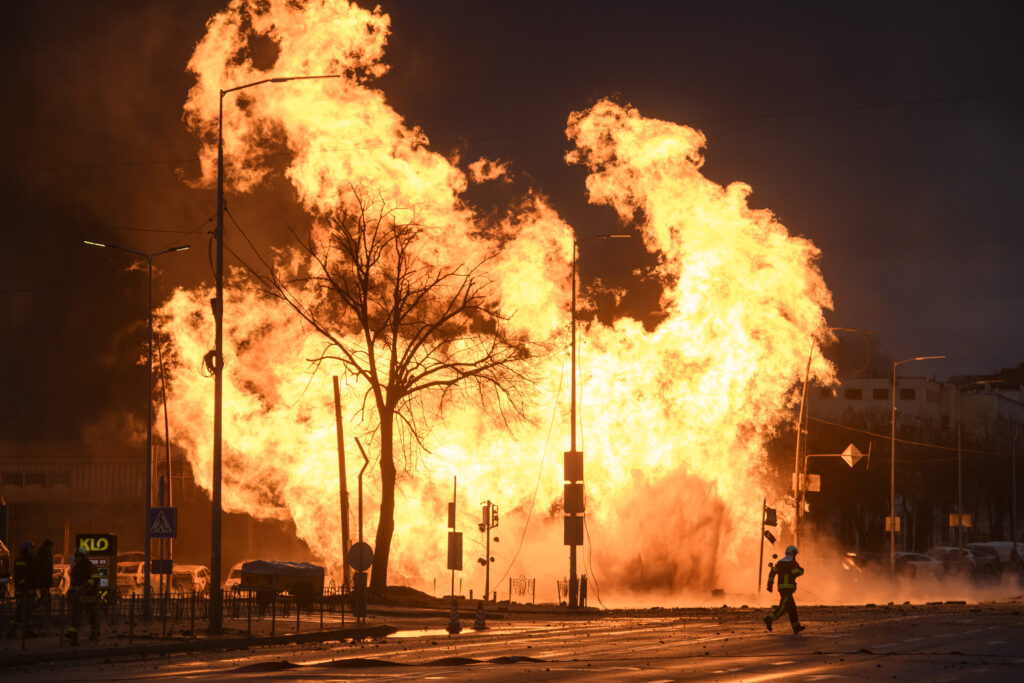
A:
(913, 206)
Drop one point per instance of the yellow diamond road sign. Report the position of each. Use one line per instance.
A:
(851, 455)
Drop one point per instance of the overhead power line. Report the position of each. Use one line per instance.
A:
(756, 116)
(909, 442)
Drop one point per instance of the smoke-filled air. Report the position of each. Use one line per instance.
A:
(673, 420)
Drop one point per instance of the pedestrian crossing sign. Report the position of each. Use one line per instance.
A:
(163, 522)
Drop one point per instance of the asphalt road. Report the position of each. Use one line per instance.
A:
(924, 642)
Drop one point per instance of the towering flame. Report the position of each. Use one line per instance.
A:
(673, 420)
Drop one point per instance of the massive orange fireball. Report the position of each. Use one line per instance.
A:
(673, 419)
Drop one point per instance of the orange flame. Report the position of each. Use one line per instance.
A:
(673, 420)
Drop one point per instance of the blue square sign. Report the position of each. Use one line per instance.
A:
(163, 522)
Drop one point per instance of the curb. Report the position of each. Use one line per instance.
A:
(200, 645)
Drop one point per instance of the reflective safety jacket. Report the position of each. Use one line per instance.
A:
(787, 570)
(85, 578)
(22, 574)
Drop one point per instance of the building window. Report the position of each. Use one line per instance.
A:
(908, 395)
(933, 396)
(853, 394)
(880, 394)
(11, 479)
(35, 479)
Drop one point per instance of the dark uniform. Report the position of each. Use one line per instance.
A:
(84, 587)
(786, 569)
(24, 590)
(42, 569)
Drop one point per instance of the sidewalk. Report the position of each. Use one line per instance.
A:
(149, 639)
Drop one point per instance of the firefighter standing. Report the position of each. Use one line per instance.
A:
(24, 589)
(42, 570)
(787, 569)
(85, 585)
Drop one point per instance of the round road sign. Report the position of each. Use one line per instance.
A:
(360, 556)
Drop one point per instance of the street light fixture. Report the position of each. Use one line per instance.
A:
(573, 578)
(959, 461)
(892, 462)
(216, 602)
(149, 403)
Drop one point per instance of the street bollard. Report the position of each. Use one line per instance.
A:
(298, 615)
(131, 619)
(248, 628)
(193, 632)
(273, 612)
(321, 609)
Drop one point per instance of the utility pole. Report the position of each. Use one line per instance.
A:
(490, 521)
(342, 482)
(572, 466)
(892, 462)
(217, 364)
(148, 544)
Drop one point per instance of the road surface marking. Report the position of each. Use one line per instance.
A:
(996, 642)
(913, 640)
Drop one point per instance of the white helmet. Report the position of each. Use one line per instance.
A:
(791, 550)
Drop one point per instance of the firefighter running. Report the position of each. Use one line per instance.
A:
(85, 585)
(787, 569)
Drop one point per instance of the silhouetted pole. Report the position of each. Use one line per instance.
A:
(803, 415)
(147, 550)
(573, 578)
(216, 599)
(959, 462)
(343, 490)
(892, 463)
(1013, 492)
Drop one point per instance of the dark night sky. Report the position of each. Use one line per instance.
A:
(888, 133)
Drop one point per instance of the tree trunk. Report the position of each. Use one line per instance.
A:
(386, 522)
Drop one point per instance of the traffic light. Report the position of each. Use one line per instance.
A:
(494, 515)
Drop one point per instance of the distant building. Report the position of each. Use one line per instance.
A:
(989, 411)
(52, 485)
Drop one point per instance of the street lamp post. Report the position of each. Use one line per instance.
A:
(959, 461)
(892, 462)
(801, 430)
(149, 403)
(216, 603)
(573, 578)
(1013, 491)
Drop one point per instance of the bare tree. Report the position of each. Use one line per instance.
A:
(410, 328)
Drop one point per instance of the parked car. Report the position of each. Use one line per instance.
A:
(986, 560)
(184, 579)
(956, 562)
(235, 576)
(917, 565)
(1002, 549)
(127, 573)
(190, 577)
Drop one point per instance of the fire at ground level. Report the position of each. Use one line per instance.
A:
(109, 501)
(940, 641)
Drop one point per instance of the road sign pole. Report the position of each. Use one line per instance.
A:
(760, 561)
